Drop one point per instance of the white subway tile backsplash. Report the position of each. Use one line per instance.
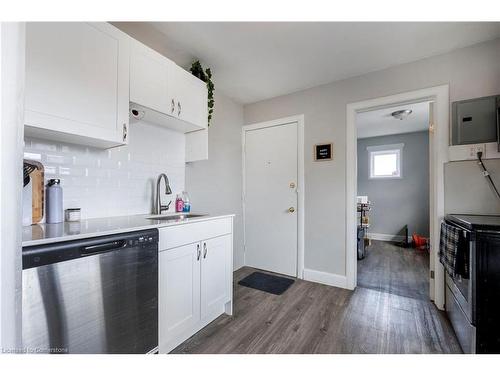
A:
(118, 181)
(56, 159)
(50, 170)
(33, 156)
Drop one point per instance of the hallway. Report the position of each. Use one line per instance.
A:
(396, 270)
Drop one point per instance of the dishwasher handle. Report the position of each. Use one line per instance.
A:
(103, 247)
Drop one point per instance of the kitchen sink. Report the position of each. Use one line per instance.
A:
(174, 217)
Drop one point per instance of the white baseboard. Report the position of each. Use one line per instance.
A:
(331, 279)
(387, 237)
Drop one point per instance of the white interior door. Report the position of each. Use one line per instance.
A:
(271, 198)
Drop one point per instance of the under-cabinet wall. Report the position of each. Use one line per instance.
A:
(117, 181)
(214, 185)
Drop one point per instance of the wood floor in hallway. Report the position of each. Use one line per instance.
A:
(389, 312)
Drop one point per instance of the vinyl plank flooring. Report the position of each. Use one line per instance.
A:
(396, 270)
(385, 314)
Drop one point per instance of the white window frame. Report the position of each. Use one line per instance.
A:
(384, 150)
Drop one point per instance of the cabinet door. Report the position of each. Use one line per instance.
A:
(197, 145)
(179, 295)
(77, 80)
(215, 275)
(149, 79)
(190, 96)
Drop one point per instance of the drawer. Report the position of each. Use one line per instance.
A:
(466, 332)
(184, 234)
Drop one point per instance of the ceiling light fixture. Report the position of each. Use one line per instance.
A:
(401, 114)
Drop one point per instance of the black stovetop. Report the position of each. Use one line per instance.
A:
(484, 222)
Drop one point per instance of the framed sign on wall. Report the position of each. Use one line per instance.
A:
(323, 152)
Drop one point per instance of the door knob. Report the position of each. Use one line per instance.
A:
(291, 210)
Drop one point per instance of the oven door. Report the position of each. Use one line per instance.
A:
(463, 288)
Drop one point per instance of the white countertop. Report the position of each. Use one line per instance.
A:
(40, 234)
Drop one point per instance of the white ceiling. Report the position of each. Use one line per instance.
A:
(380, 122)
(256, 60)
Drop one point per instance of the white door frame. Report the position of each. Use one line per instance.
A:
(12, 47)
(439, 139)
(299, 119)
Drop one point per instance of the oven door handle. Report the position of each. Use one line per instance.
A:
(456, 225)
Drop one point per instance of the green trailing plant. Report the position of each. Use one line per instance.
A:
(205, 76)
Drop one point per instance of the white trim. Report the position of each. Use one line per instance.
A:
(299, 119)
(385, 150)
(469, 152)
(332, 279)
(438, 143)
(396, 146)
(387, 237)
(12, 53)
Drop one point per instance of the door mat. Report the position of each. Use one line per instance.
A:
(267, 283)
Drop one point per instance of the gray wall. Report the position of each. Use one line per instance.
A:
(467, 191)
(396, 202)
(214, 185)
(470, 72)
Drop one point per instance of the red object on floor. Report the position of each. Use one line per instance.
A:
(419, 242)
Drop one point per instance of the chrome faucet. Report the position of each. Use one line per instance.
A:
(158, 206)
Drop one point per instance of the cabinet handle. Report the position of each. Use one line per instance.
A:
(124, 132)
(198, 252)
(179, 108)
(204, 250)
(172, 106)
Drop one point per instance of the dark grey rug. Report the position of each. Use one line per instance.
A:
(267, 283)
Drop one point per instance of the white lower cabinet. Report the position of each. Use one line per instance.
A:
(179, 279)
(214, 275)
(195, 279)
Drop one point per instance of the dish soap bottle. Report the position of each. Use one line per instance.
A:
(187, 202)
(179, 204)
(54, 201)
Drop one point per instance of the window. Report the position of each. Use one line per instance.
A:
(385, 161)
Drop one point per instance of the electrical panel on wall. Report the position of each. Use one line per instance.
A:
(474, 128)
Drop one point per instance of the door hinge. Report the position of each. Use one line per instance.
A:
(432, 275)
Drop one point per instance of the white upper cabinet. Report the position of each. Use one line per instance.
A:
(77, 83)
(197, 145)
(177, 98)
(149, 77)
(190, 96)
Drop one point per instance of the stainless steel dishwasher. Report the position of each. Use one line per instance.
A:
(97, 295)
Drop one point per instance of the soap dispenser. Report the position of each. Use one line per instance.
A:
(186, 201)
(179, 204)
